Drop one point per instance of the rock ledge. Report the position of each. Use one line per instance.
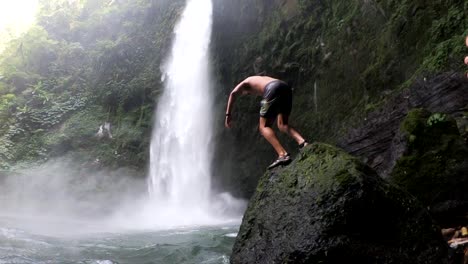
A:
(328, 207)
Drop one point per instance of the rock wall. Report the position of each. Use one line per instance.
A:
(343, 59)
(376, 140)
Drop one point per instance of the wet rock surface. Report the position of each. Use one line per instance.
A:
(377, 141)
(328, 207)
(434, 165)
(418, 140)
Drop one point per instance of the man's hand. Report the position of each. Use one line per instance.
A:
(227, 122)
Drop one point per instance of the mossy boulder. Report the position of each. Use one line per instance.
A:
(328, 207)
(434, 165)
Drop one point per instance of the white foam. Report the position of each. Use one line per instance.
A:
(231, 235)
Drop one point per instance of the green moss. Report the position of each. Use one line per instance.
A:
(328, 201)
(321, 165)
(413, 123)
(434, 153)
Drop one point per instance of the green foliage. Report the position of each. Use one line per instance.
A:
(85, 63)
(413, 124)
(7, 101)
(436, 118)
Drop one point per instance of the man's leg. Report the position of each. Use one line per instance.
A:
(283, 126)
(268, 133)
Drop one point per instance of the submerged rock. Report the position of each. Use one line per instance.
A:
(328, 207)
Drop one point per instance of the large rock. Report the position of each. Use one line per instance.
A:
(328, 207)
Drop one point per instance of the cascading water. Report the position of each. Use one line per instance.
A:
(181, 147)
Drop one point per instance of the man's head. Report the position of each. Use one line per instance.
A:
(466, 41)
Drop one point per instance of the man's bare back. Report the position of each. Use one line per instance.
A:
(255, 84)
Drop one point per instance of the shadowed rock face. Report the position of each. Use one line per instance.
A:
(377, 140)
(342, 58)
(422, 153)
(328, 207)
(433, 165)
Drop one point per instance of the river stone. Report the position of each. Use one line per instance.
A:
(328, 207)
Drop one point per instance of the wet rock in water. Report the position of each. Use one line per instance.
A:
(328, 207)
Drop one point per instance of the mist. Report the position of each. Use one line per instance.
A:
(64, 198)
(62, 190)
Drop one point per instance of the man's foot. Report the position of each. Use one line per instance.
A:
(282, 160)
(303, 144)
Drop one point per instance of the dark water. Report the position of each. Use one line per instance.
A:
(184, 245)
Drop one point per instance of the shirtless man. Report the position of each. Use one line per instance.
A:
(276, 104)
(466, 58)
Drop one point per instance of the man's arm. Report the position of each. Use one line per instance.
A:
(232, 97)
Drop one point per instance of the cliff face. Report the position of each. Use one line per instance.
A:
(343, 58)
(328, 207)
(376, 138)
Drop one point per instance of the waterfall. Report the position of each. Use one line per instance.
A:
(181, 144)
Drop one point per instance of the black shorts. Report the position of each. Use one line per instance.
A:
(277, 99)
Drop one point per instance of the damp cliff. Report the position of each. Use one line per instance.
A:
(345, 60)
(418, 140)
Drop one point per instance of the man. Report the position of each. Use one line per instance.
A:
(466, 58)
(276, 104)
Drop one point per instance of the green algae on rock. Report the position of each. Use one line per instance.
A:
(328, 207)
(434, 164)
